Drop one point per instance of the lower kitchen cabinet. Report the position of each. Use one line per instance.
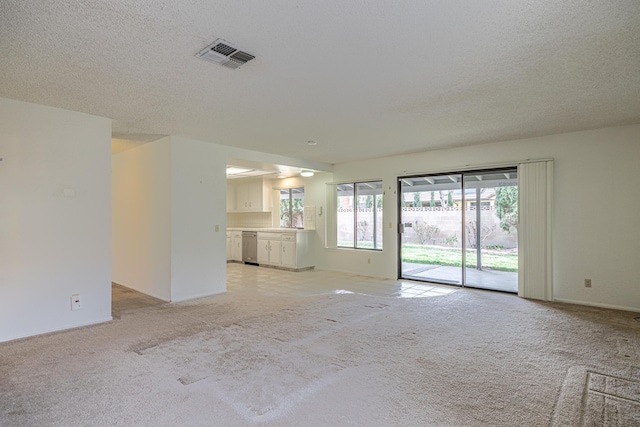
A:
(236, 246)
(270, 249)
(289, 250)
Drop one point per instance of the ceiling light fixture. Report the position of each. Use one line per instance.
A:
(236, 171)
(312, 143)
(306, 173)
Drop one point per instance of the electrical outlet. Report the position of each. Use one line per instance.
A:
(368, 260)
(217, 228)
(587, 283)
(76, 302)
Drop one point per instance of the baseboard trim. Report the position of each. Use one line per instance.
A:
(279, 267)
(198, 296)
(597, 304)
(53, 330)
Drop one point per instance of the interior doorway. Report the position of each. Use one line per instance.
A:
(460, 228)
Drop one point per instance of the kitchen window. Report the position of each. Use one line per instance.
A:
(292, 207)
(359, 215)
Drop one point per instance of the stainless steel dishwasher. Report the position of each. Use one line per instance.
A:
(250, 247)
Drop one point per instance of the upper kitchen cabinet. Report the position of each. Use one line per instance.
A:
(249, 196)
(231, 197)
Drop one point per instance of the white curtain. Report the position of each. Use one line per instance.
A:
(535, 197)
(331, 228)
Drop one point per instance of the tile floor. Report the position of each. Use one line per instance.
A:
(270, 281)
(243, 278)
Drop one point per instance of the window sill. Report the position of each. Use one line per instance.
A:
(344, 248)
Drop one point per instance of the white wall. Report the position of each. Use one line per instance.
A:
(141, 206)
(168, 196)
(596, 233)
(53, 245)
(198, 191)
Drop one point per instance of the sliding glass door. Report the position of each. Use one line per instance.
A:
(430, 238)
(491, 234)
(460, 228)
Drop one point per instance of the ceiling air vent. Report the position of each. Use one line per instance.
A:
(224, 53)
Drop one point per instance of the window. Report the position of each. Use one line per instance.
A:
(359, 215)
(292, 207)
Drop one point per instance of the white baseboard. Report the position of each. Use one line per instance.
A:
(189, 298)
(597, 304)
(64, 328)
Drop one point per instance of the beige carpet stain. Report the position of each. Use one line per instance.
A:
(261, 363)
(471, 358)
(592, 398)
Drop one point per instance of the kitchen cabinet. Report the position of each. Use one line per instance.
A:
(236, 246)
(296, 250)
(242, 197)
(289, 250)
(270, 249)
(250, 196)
(231, 197)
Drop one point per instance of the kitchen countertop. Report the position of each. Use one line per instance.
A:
(271, 230)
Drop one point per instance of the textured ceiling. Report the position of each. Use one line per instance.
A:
(362, 78)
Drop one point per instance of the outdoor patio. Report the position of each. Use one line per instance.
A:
(486, 279)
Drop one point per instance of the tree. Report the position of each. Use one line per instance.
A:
(472, 233)
(425, 232)
(416, 200)
(432, 203)
(369, 201)
(363, 227)
(291, 215)
(507, 207)
(443, 202)
(298, 212)
(450, 198)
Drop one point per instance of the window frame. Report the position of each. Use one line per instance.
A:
(377, 246)
(290, 191)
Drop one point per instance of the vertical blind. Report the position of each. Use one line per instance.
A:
(331, 229)
(535, 198)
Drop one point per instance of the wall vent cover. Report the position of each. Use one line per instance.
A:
(224, 53)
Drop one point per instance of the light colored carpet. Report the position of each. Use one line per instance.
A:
(125, 299)
(469, 358)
